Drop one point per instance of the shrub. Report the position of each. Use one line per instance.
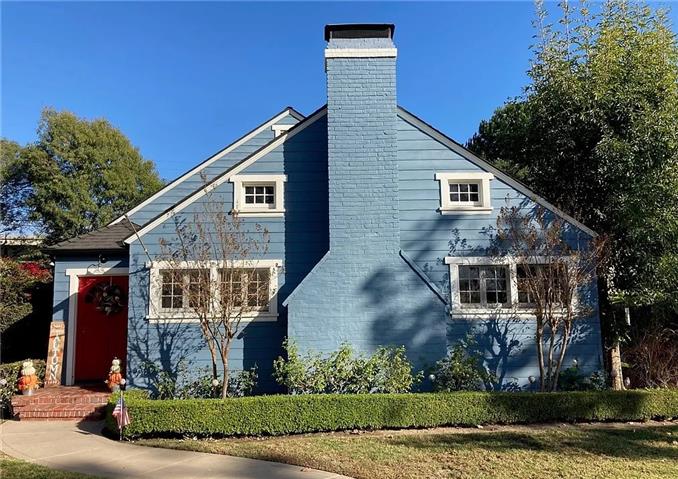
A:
(342, 372)
(571, 379)
(653, 358)
(286, 414)
(9, 372)
(460, 371)
(187, 384)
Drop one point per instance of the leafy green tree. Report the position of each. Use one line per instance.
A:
(79, 175)
(14, 189)
(596, 132)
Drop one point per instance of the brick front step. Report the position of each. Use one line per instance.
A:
(61, 403)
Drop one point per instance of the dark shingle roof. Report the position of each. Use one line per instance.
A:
(108, 238)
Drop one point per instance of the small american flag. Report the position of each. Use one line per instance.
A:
(120, 413)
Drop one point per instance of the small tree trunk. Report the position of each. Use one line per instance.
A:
(224, 379)
(561, 358)
(616, 367)
(212, 349)
(540, 354)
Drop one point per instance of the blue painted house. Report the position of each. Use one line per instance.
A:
(378, 223)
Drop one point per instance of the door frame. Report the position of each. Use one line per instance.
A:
(74, 275)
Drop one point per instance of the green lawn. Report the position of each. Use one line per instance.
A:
(576, 451)
(11, 468)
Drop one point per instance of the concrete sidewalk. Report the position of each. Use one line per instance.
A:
(79, 447)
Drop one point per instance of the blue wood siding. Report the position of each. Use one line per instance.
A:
(428, 237)
(194, 182)
(299, 239)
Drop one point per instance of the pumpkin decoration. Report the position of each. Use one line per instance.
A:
(114, 376)
(107, 297)
(28, 382)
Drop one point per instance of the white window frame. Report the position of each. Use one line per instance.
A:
(245, 210)
(513, 308)
(483, 206)
(157, 313)
(280, 129)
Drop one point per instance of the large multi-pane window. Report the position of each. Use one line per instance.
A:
(544, 280)
(185, 291)
(246, 288)
(183, 288)
(483, 285)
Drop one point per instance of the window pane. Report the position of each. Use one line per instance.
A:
(469, 284)
(171, 290)
(454, 196)
(473, 187)
(463, 197)
(475, 197)
(454, 187)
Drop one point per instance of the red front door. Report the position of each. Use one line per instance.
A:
(101, 326)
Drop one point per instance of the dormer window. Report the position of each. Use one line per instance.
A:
(465, 192)
(259, 195)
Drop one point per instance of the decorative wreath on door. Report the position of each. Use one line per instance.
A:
(106, 297)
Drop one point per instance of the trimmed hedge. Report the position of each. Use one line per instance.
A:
(285, 414)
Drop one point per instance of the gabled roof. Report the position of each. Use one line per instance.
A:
(109, 238)
(226, 175)
(472, 157)
(321, 112)
(289, 111)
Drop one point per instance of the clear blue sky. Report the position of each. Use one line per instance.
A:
(182, 80)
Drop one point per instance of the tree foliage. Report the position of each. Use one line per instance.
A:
(76, 177)
(596, 132)
(16, 282)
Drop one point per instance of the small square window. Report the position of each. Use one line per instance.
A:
(259, 196)
(464, 193)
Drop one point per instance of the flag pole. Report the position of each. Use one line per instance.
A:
(123, 385)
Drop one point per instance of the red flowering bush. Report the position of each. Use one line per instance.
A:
(17, 279)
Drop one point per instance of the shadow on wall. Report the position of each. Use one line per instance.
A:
(505, 342)
(155, 347)
(414, 318)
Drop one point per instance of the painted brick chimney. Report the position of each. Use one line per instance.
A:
(360, 61)
(364, 291)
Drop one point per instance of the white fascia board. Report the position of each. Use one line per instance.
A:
(268, 125)
(226, 176)
(473, 158)
(361, 52)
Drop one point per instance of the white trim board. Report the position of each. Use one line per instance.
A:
(244, 139)
(226, 176)
(74, 275)
(469, 155)
(361, 52)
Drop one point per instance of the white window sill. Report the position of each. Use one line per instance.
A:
(179, 318)
(465, 210)
(254, 213)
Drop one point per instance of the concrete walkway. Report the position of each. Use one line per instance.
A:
(79, 447)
